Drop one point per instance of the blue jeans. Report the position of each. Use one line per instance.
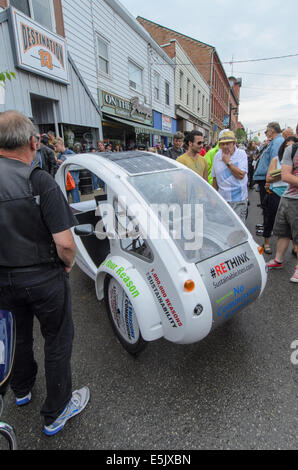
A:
(75, 194)
(97, 182)
(45, 294)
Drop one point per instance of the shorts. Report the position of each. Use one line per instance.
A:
(286, 221)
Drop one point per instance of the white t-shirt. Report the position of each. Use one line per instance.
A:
(229, 187)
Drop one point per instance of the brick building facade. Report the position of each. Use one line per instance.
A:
(207, 61)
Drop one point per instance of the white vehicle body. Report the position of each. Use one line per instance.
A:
(227, 271)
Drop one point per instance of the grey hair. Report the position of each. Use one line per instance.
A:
(16, 130)
(275, 127)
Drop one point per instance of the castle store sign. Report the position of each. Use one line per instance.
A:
(38, 50)
(127, 109)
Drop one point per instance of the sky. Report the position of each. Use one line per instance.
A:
(241, 31)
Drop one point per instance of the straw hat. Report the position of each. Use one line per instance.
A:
(227, 136)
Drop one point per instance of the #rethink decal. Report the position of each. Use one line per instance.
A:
(227, 271)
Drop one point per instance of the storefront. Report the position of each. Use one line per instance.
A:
(165, 127)
(131, 123)
(48, 87)
(187, 123)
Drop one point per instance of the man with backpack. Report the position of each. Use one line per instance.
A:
(275, 140)
(286, 222)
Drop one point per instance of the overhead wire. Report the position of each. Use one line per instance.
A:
(236, 61)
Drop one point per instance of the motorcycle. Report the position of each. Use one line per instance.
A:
(7, 350)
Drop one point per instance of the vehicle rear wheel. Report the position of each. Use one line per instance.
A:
(9, 442)
(122, 316)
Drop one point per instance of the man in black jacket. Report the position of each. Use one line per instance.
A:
(37, 252)
(46, 157)
(177, 150)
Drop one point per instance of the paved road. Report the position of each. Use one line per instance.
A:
(237, 389)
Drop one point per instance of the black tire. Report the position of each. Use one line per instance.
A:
(126, 329)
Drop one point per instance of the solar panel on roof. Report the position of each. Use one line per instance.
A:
(139, 162)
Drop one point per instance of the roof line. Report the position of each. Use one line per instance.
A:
(188, 37)
(176, 32)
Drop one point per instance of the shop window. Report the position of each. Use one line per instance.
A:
(42, 11)
(103, 55)
(156, 86)
(22, 5)
(167, 90)
(135, 74)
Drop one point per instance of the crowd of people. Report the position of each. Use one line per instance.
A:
(232, 169)
(276, 174)
(270, 167)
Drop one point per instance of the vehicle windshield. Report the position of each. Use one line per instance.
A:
(196, 217)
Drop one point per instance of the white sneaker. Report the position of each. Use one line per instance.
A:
(294, 278)
(77, 403)
(24, 401)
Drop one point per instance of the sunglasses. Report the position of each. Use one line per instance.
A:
(200, 143)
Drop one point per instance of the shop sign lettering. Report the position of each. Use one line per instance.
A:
(132, 109)
(39, 50)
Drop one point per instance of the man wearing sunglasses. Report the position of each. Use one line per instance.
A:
(194, 142)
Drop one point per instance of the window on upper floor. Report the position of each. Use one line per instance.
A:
(188, 92)
(194, 97)
(181, 86)
(156, 86)
(199, 101)
(135, 76)
(103, 55)
(42, 11)
(167, 91)
(203, 105)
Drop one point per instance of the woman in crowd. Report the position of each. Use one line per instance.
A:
(251, 152)
(275, 189)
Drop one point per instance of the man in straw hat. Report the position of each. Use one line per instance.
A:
(230, 168)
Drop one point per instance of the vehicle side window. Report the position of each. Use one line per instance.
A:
(82, 186)
(128, 231)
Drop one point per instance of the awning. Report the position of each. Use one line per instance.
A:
(140, 128)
